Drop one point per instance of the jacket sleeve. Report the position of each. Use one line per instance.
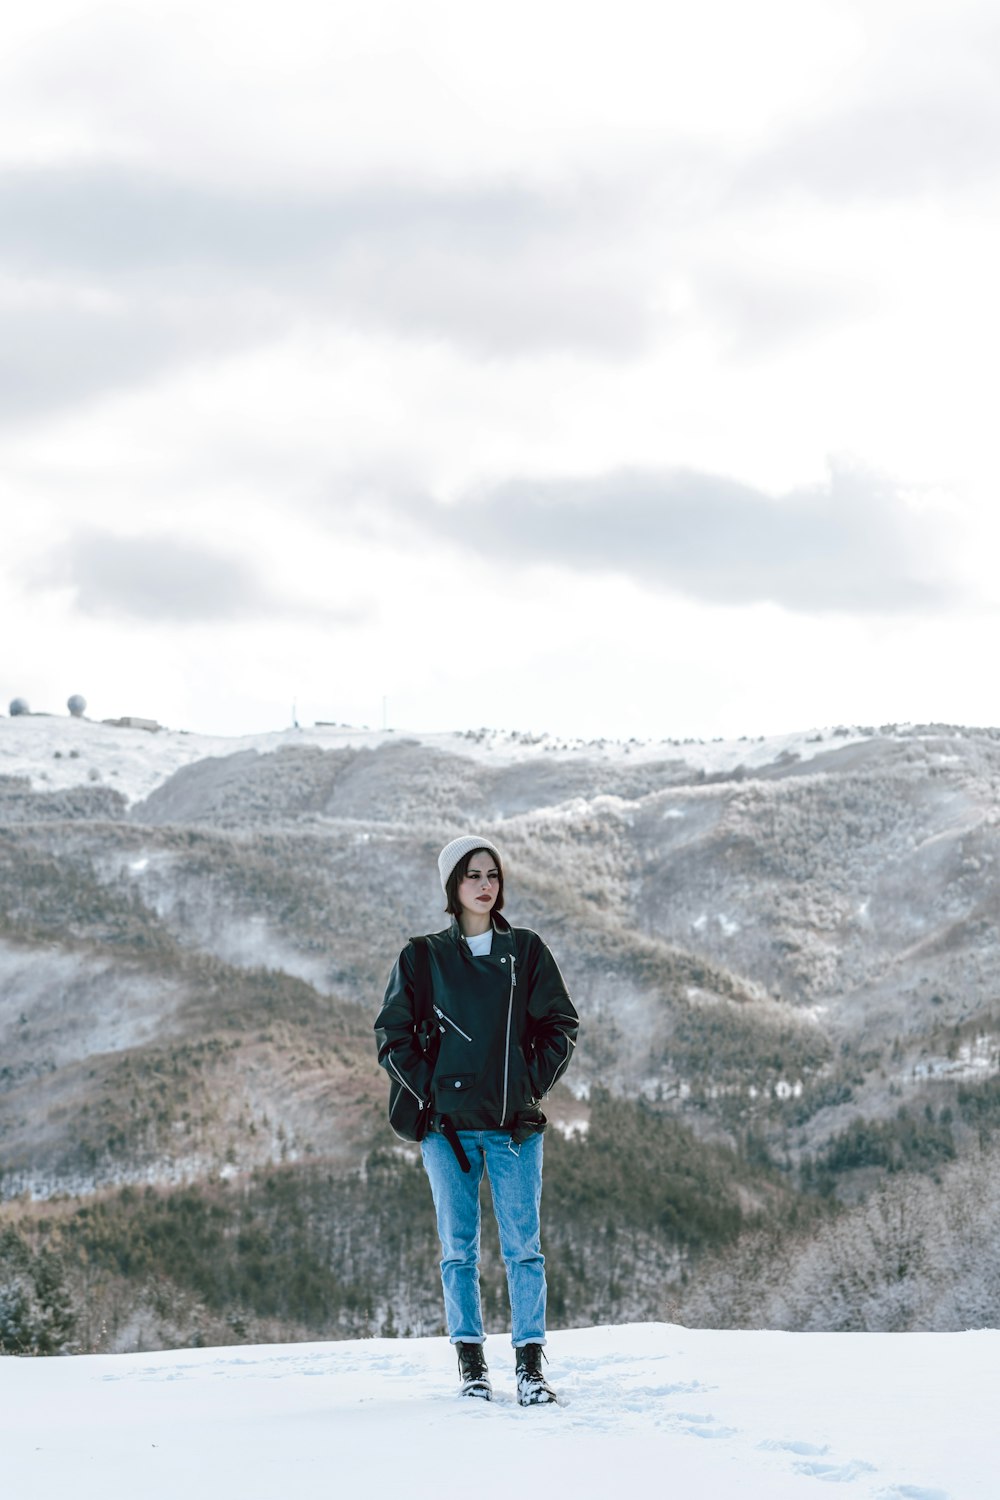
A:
(399, 1051)
(552, 1020)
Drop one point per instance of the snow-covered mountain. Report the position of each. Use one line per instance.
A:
(57, 751)
(786, 955)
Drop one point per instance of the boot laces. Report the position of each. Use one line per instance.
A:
(529, 1361)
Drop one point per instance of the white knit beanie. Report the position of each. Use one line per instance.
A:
(458, 849)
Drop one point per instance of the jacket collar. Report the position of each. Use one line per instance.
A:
(501, 928)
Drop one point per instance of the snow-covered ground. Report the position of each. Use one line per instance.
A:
(56, 751)
(651, 1410)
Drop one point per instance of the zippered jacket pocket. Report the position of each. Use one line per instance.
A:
(443, 1016)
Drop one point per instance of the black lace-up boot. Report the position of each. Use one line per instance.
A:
(473, 1371)
(532, 1387)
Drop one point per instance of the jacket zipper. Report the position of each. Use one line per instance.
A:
(561, 1067)
(412, 1090)
(453, 1024)
(506, 1063)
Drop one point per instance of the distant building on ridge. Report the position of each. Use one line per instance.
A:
(129, 721)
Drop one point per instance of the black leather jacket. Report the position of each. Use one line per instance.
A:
(506, 1027)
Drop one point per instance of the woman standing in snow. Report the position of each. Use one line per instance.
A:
(506, 1029)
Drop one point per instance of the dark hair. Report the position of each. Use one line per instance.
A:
(452, 904)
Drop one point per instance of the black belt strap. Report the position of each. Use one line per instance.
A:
(451, 1136)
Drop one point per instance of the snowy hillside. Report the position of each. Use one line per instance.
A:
(785, 954)
(56, 752)
(658, 1409)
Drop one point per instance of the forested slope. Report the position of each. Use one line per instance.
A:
(788, 972)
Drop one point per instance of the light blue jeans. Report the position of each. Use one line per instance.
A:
(515, 1173)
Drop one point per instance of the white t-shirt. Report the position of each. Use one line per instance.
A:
(481, 945)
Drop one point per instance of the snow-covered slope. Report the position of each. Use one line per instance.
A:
(60, 752)
(650, 1409)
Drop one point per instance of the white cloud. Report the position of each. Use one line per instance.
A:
(270, 283)
(851, 545)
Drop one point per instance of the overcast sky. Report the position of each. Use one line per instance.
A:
(601, 368)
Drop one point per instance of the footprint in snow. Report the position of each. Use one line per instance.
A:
(599, 1363)
(710, 1432)
(700, 1424)
(912, 1492)
(804, 1450)
(836, 1473)
(642, 1397)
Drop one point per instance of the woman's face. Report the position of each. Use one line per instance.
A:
(478, 888)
